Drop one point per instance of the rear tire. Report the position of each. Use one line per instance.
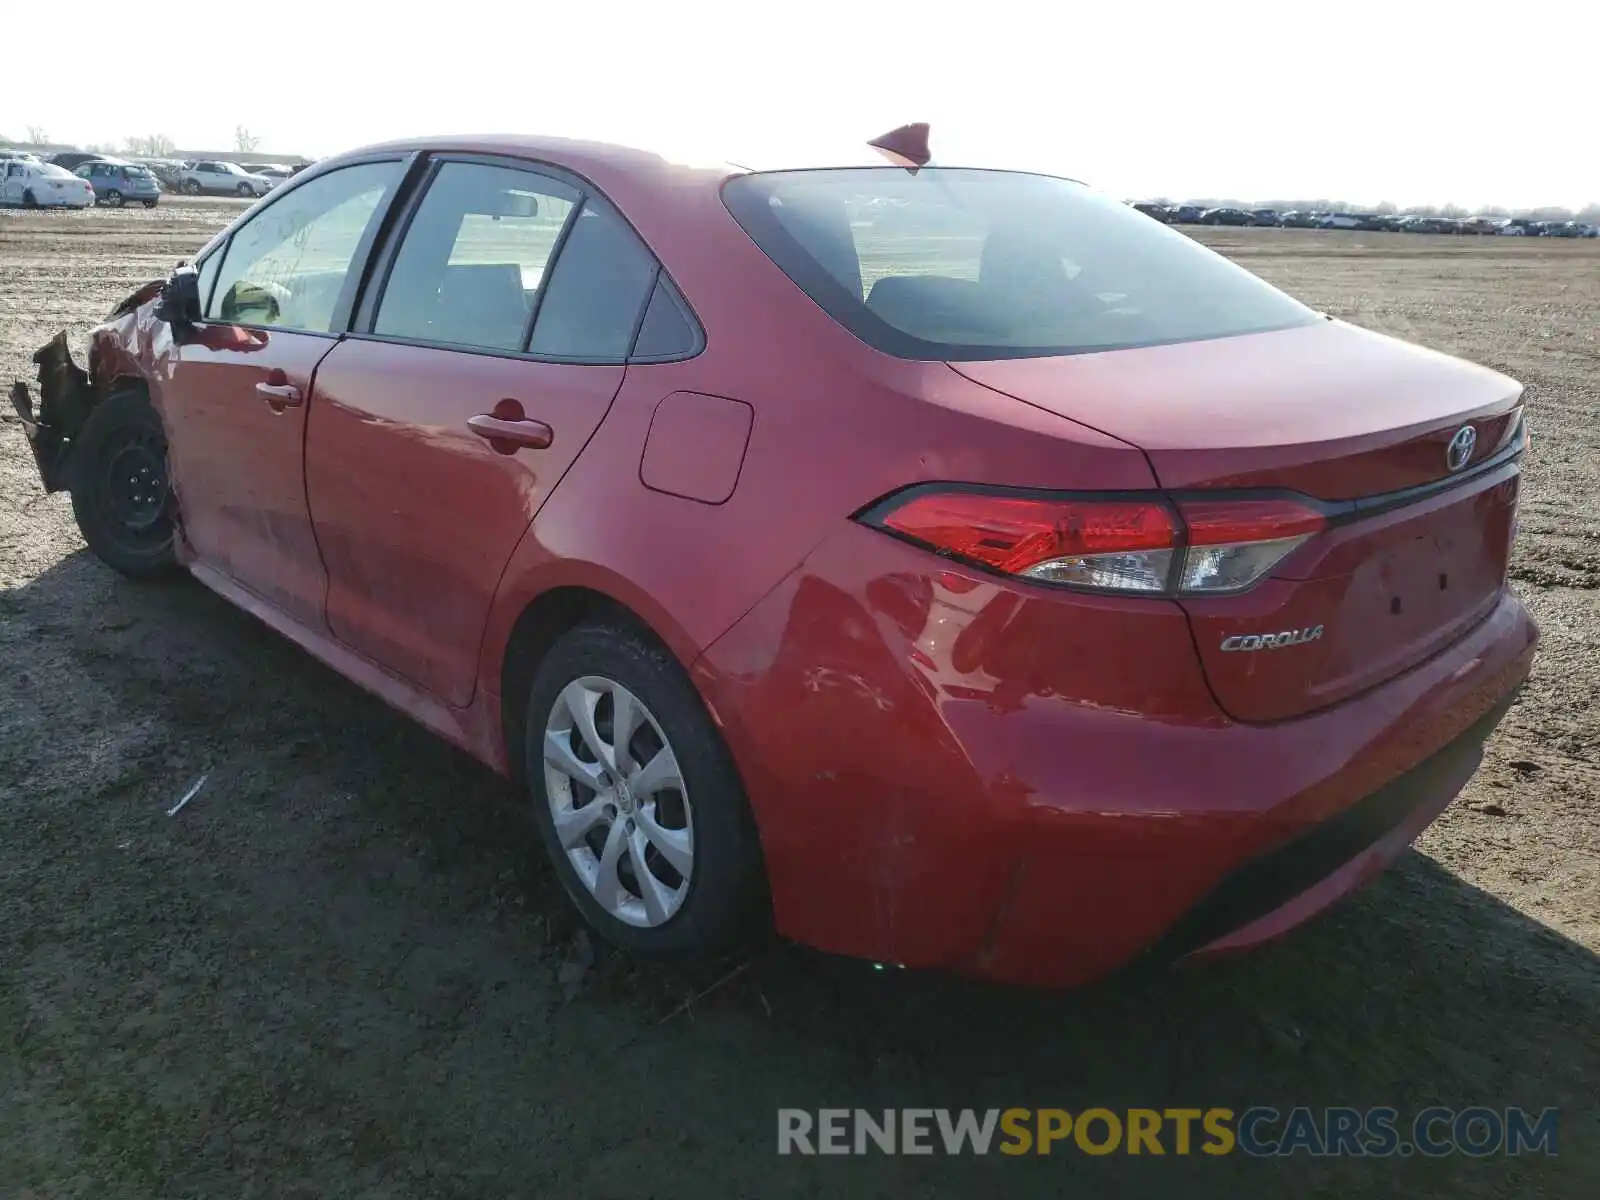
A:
(150, 203)
(703, 884)
(120, 491)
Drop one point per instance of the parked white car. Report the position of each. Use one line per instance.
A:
(277, 174)
(1507, 229)
(1340, 221)
(42, 185)
(222, 179)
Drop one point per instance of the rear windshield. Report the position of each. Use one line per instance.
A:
(968, 264)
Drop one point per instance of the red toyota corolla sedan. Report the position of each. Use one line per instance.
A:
(950, 567)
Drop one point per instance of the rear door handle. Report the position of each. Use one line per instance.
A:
(507, 430)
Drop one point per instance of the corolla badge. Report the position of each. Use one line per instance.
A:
(1272, 641)
(1459, 452)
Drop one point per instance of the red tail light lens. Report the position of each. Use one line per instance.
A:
(1111, 545)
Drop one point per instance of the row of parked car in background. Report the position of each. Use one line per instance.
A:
(1194, 214)
(75, 179)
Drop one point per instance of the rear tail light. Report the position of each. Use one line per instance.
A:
(1138, 544)
(1118, 545)
(1233, 543)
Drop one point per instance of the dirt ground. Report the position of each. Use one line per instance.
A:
(344, 970)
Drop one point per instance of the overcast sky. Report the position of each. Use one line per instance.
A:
(1354, 99)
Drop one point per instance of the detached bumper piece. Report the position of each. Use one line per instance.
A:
(65, 398)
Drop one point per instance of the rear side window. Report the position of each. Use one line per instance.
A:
(967, 264)
(668, 332)
(597, 291)
(474, 257)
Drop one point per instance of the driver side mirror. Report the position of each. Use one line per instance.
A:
(180, 300)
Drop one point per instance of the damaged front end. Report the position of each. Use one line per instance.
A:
(65, 398)
(68, 393)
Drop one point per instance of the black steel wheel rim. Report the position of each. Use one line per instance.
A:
(133, 492)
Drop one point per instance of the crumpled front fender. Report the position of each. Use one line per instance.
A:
(129, 343)
(65, 399)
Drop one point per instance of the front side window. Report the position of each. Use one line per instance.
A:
(286, 267)
(961, 264)
(474, 258)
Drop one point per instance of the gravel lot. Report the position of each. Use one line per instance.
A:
(344, 969)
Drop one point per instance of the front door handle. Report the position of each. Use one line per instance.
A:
(280, 395)
(278, 392)
(507, 429)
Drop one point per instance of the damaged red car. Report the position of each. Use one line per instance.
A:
(950, 567)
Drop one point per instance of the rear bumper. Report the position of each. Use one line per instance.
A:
(1042, 790)
(1277, 890)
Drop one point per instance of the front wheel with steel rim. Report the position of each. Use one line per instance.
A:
(637, 798)
(113, 199)
(120, 492)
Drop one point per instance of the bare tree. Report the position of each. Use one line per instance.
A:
(244, 141)
(151, 145)
(38, 135)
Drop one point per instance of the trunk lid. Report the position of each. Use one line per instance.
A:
(1415, 554)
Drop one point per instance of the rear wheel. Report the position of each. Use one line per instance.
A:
(637, 799)
(149, 203)
(120, 492)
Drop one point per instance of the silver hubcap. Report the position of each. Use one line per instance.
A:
(618, 800)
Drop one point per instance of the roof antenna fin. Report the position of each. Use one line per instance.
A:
(905, 147)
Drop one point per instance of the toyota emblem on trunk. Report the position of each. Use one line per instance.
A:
(1459, 453)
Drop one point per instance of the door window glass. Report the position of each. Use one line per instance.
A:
(286, 266)
(474, 257)
(597, 291)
